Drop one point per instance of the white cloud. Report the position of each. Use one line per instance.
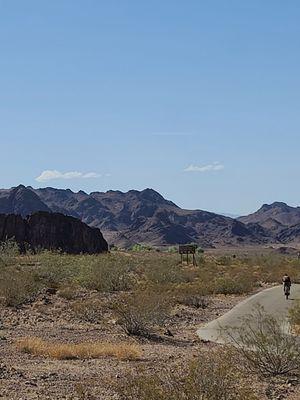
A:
(216, 166)
(49, 175)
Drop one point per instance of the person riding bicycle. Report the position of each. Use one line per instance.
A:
(286, 280)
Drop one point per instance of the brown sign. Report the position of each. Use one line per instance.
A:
(187, 249)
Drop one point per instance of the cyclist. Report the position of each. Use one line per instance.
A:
(286, 280)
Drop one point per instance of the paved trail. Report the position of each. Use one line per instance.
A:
(272, 300)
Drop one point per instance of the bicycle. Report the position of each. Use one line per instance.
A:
(287, 291)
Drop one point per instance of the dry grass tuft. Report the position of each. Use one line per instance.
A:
(71, 351)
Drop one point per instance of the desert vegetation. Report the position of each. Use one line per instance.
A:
(143, 307)
(267, 345)
(129, 271)
(85, 350)
(294, 317)
(211, 375)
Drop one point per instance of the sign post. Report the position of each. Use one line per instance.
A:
(187, 249)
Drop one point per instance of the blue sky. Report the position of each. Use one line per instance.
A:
(197, 99)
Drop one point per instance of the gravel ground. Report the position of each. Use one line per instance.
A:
(24, 376)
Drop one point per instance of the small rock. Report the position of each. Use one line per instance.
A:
(31, 383)
(51, 291)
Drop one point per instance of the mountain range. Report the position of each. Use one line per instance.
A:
(147, 217)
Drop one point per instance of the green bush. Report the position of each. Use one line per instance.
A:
(17, 287)
(56, 269)
(199, 250)
(9, 250)
(108, 274)
(141, 247)
(164, 271)
(240, 284)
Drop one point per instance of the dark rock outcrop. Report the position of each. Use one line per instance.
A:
(13, 226)
(52, 231)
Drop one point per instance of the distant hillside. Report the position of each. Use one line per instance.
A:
(138, 217)
(270, 215)
(279, 220)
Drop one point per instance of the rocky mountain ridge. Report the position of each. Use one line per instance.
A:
(147, 217)
(279, 220)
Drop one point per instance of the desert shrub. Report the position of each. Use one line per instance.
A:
(267, 345)
(196, 301)
(56, 269)
(109, 274)
(164, 271)
(269, 267)
(9, 250)
(225, 260)
(294, 314)
(141, 247)
(199, 250)
(83, 392)
(17, 286)
(195, 295)
(68, 291)
(236, 284)
(172, 249)
(89, 310)
(70, 351)
(212, 376)
(200, 259)
(139, 313)
(104, 273)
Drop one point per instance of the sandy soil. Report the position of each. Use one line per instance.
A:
(24, 376)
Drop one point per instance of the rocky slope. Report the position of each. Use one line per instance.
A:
(134, 217)
(274, 216)
(52, 231)
(278, 220)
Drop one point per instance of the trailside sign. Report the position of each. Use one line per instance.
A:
(187, 249)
